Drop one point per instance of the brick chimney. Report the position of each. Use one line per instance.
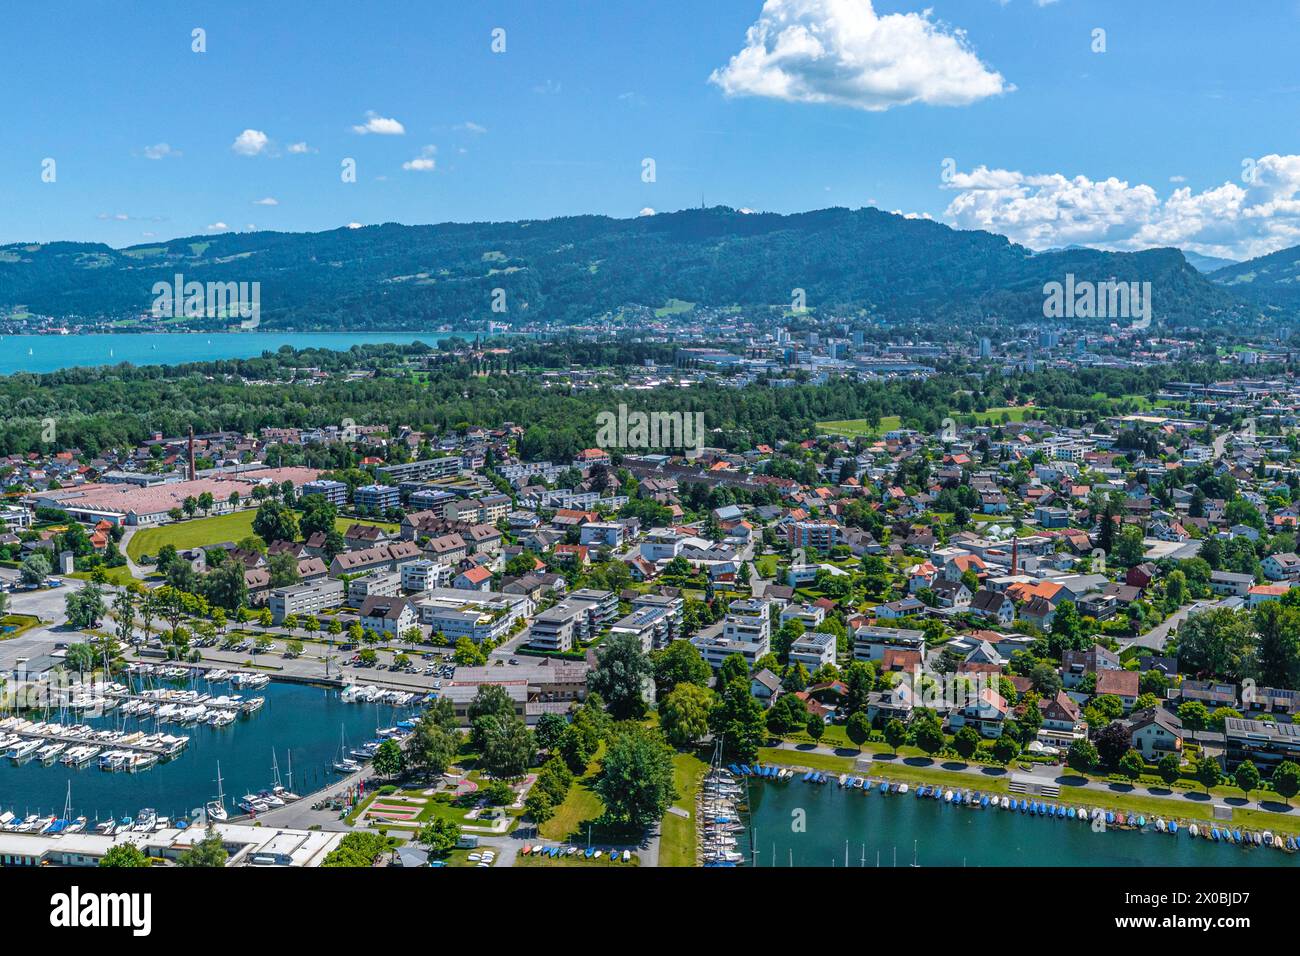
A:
(1015, 556)
(192, 475)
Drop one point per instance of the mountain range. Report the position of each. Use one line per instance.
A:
(862, 262)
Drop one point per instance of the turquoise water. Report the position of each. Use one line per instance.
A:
(877, 829)
(50, 353)
(298, 720)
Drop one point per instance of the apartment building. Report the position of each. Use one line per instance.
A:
(423, 575)
(813, 650)
(429, 468)
(377, 498)
(335, 492)
(374, 584)
(301, 599)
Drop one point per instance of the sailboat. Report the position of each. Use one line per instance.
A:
(216, 809)
(344, 763)
(284, 793)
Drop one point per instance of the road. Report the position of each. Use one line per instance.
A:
(1156, 638)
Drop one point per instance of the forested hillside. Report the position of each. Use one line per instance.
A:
(848, 262)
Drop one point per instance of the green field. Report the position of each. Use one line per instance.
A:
(859, 428)
(677, 834)
(579, 808)
(674, 307)
(119, 575)
(19, 623)
(204, 532)
(999, 413)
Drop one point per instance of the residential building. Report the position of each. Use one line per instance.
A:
(303, 599)
(813, 650)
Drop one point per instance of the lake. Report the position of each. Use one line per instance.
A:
(49, 353)
(299, 722)
(888, 830)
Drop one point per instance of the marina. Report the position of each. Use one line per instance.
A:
(116, 763)
(852, 820)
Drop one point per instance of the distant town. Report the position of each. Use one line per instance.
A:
(1074, 607)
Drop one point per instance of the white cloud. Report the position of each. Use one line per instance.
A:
(472, 127)
(841, 52)
(218, 227)
(266, 201)
(251, 142)
(301, 148)
(160, 151)
(379, 125)
(1234, 220)
(647, 211)
(424, 163)
(354, 225)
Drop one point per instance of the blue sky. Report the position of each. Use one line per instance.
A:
(824, 102)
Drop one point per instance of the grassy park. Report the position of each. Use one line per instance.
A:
(204, 532)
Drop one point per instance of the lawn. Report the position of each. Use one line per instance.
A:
(120, 575)
(578, 859)
(579, 808)
(674, 307)
(995, 415)
(677, 834)
(203, 532)
(19, 623)
(859, 427)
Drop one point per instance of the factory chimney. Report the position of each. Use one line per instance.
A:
(192, 475)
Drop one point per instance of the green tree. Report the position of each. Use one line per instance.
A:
(431, 747)
(85, 607)
(816, 727)
(895, 734)
(929, 735)
(966, 741)
(622, 671)
(508, 749)
(1170, 769)
(679, 663)
(1194, 715)
(209, 851)
(389, 761)
(636, 781)
(684, 714)
(274, 521)
(34, 569)
(318, 514)
(439, 836)
(739, 719)
(358, 849)
(1083, 756)
(549, 731)
(733, 668)
(1246, 777)
(858, 728)
(539, 806)
(1131, 764)
(1286, 779)
(491, 700)
(124, 854)
(1005, 749)
(1209, 773)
